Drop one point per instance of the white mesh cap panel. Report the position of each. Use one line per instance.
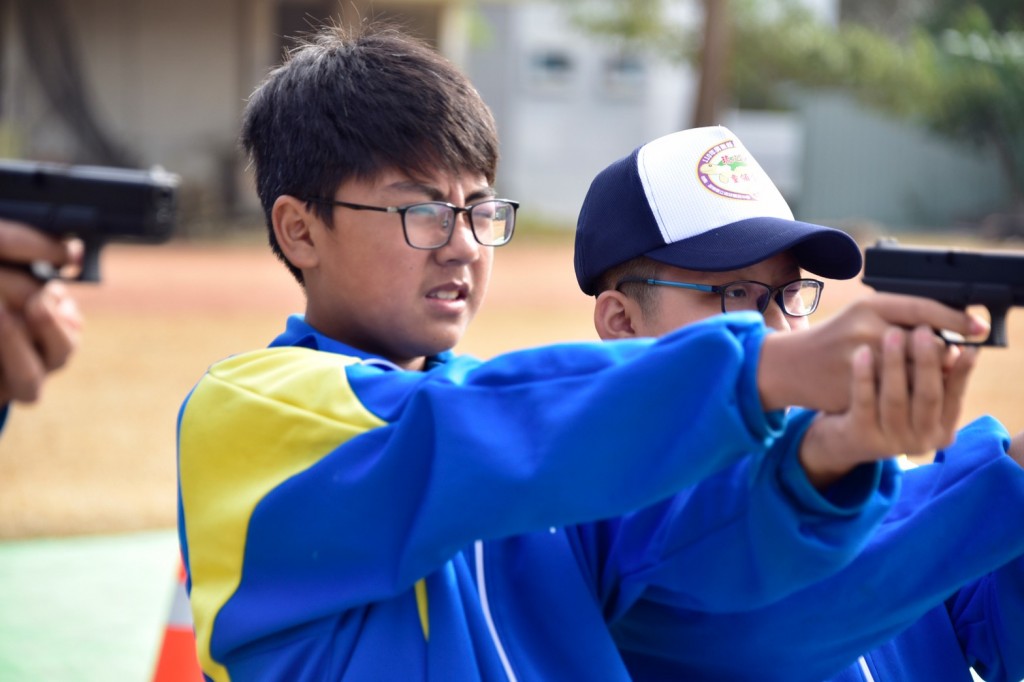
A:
(701, 179)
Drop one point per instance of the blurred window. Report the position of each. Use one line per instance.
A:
(624, 76)
(551, 71)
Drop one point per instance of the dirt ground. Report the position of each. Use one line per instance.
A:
(97, 453)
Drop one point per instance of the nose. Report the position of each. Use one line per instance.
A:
(462, 246)
(775, 318)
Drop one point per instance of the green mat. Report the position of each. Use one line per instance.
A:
(85, 608)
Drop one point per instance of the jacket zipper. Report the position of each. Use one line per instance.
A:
(863, 663)
(481, 587)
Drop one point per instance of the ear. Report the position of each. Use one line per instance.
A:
(293, 227)
(615, 315)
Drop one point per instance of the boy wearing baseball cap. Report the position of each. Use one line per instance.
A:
(689, 226)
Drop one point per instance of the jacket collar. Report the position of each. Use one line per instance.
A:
(301, 334)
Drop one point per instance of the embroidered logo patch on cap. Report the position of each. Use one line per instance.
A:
(726, 170)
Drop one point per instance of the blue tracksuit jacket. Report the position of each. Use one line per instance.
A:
(981, 625)
(342, 519)
(938, 589)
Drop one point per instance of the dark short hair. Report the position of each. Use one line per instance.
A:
(352, 103)
(642, 267)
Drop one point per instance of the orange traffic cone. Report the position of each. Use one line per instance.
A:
(178, 661)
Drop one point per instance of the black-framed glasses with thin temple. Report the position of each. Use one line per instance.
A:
(430, 224)
(798, 298)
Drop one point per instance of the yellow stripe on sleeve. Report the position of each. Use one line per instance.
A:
(251, 423)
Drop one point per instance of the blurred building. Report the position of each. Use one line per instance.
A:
(567, 103)
(144, 82)
(162, 82)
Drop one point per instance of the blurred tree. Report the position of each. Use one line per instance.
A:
(898, 17)
(955, 67)
(629, 23)
(895, 18)
(713, 62)
(637, 26)
(963, 78)
(1003, 15)
(981, 98)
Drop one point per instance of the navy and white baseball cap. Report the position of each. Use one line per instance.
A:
(697, 199)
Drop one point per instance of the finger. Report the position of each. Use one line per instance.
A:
(863, 389)
(950, 355)
(21, 368)
(894, 400)
(76, 251)
(72, 267)
(54, 325)
(21, 243)
(16, 288)
(912, 311)
(955, 390)
(927, 400)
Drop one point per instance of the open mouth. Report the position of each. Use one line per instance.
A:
(452, 292)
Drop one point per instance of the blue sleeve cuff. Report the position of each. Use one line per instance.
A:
(753, 412)
(3, 416)
(846, 497)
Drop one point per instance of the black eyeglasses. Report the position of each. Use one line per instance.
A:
(429, 224)
(798, 298)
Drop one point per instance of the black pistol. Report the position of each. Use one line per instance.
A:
(956, 277)
(96, 204)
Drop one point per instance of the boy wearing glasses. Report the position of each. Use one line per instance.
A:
(357, 503)
(708, 233)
